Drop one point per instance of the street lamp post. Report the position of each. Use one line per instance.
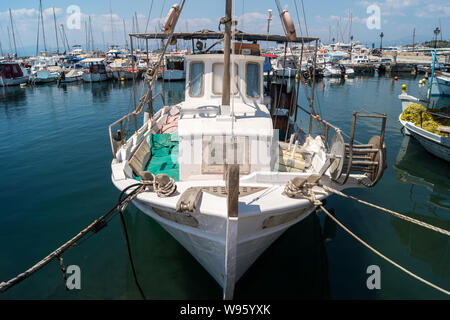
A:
(436, 33)
(381, 42)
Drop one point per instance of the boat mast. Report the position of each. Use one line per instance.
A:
(64, 36)
(56, 31)
(42, 22)
(226, 62)
(112, 28)
(125, 34)
(12, 29)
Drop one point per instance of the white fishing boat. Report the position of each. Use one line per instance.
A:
(95, 70)
(73, 75)
(12, 74)
(441, 84)
(174, 67)
(436, 144)
(44, 76)
(219, 181)
(285, 66)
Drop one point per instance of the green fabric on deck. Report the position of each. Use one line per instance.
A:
(164, 159)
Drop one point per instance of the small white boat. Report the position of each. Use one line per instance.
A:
(174, 68)
(332, 71)
(12, 74)
(441, 84)
(72, 75)
(95, 70)
(285, 67)
(435, 144)
(45, 76)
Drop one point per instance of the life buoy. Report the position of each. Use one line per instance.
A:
(288, 25)
(172, 18)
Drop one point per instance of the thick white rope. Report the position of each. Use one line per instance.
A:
(383, 256)
(396, 214)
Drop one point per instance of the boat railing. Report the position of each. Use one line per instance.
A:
(369, 159)
(120, 136)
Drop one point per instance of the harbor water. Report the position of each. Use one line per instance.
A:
(55, 179)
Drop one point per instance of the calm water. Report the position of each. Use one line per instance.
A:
(55, 179)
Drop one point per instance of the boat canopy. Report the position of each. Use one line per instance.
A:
(208, 34)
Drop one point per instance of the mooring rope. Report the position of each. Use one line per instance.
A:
(396, 214)
(382, 255)
(95, 226)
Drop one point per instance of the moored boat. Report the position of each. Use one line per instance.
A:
(217, 178)
(11, 74)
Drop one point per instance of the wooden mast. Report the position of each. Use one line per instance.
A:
(226, 62)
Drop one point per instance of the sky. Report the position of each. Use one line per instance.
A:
(326, 19)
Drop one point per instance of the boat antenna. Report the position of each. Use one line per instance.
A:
(12, 29)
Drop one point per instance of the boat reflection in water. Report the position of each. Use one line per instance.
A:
(418, 168)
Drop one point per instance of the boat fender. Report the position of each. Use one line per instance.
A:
(172, 18)
(288, 25)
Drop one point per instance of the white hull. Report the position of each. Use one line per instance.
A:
(173, 75)
(207, 245)
(433, 143)
(71, 79)
(6, 82)
(441, 86)
(288, 72)
(95, 77)
(123, 75)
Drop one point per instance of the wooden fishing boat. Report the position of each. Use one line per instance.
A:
(219, 181)
(436, 144)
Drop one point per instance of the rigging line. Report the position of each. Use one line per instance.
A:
(148, 18)
(383, 256)
(304, 18)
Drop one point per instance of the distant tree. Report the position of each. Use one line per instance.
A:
(439, 44)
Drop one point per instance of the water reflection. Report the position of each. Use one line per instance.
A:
(13, 99)
(416, 167)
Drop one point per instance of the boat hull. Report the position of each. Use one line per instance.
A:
(95, 77)
(433, 143)
(287, 73)
(6, 82)
(173, 75)
(209, 249)
(443, 85)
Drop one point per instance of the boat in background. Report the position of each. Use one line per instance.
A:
(438, 145)
(95, 70)
(73, 75)
(12, 74)
(174, 67)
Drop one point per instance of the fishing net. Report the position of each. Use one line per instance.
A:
(428, 119)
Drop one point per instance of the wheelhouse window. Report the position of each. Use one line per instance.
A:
(196, 79)
(252, 79)
(218, 76)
